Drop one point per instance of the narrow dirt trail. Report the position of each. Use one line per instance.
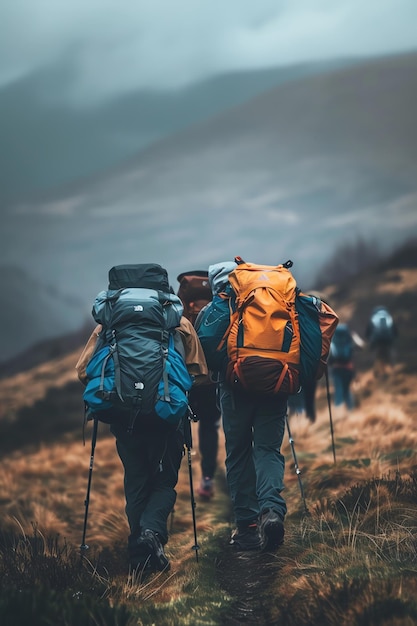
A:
(248, 578)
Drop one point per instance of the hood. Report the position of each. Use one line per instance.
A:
(218, 275)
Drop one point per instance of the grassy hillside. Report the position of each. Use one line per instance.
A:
(351, 559)
(293, 173)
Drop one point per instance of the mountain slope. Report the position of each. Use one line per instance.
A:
(31, 310)
(294, 173)
(351, 561)
(102, 135)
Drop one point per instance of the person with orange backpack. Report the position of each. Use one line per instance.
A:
(259, 371)
(194, 291)
(253, 400)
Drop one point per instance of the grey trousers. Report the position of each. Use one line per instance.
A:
(254, 428)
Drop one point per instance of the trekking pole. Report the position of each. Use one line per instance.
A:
(297, 469)
(330, 413)
(189, 444)
(84, 546)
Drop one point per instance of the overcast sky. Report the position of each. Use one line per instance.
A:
(117, 46)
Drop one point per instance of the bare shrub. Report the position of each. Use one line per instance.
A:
(347, 260)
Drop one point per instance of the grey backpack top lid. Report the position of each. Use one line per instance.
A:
(142, 275)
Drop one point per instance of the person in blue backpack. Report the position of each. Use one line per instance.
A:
(150, 448)
(341, 364)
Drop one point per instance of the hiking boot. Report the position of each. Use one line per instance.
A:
(139, 552)
(271, 530)
(246, 538)
(150, 553)
(206, 488)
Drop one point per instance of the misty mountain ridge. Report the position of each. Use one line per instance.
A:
(293, 173)
(103, 135)
(361, 289)
(32, 310)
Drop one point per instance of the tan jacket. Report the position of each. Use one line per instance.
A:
(86, 354)
(194, 355)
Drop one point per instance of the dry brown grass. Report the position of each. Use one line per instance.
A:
(352, 560)
(45, 489)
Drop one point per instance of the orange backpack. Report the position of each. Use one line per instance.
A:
(263, 338)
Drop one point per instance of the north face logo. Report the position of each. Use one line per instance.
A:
(138, 307)
(139, 385)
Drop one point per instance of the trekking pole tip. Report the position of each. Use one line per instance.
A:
(83, 548)
(196, 548)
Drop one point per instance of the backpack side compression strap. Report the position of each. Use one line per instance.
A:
(113, 352)
(165, 339)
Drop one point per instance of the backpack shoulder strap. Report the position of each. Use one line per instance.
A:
(178, 343)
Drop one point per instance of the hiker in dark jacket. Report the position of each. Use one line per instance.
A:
(151, 456)
(254, 428)
(202, 397)
(341, 364)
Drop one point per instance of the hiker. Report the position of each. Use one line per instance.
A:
(195, 293)
(263, 339)
(305, 400)
(341, 364)
(381, 333)
(254, 426)
(150, 449)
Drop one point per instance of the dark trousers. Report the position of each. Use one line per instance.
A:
(342, 379)
(151, 457)
(304, 400)
(254, 428)
(203, 400)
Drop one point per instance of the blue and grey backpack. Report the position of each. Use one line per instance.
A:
(341, 349)
(138, 365)
(382, 329)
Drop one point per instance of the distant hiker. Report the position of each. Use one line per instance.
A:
(341, 364)
(140, 322)
(195, 292)
(381, 333)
